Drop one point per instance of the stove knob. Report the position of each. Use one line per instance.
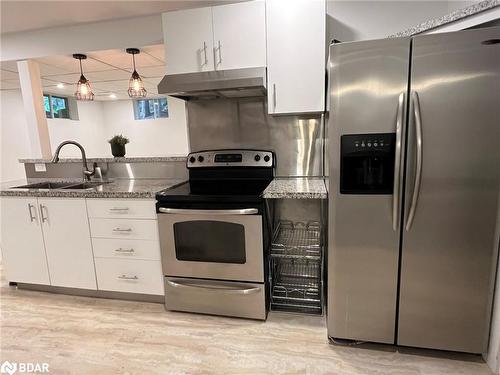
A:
(201, 158)
(192, 159)
(257, 157)
(266, 158)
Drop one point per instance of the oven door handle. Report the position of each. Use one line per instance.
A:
(243, 211)
(177, 284)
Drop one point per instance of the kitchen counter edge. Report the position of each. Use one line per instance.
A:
(296, 188)
(120, 188)
(457, 15)
(152, 159)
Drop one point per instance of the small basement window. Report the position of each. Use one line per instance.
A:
(148, 109)
(58, 107)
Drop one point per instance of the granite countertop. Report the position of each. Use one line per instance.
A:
(297, 188)
(452, 17)
(118, 188)
(149, 159)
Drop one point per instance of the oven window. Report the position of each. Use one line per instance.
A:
(210, 241)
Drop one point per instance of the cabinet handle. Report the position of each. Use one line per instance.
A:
(274, 95)
(128, 251)
(44, 218)
(125, 277)
(120, 230)
(119, 209)
(205, 53)
(219, 47)
(32, 217)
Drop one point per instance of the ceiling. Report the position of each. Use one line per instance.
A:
(108, 72)
(17, 16)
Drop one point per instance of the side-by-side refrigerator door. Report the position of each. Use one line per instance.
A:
(368, 87)
(451, 198)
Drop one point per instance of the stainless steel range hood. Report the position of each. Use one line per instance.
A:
(234, 83)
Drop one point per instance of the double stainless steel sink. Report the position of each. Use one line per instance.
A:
(47, 185)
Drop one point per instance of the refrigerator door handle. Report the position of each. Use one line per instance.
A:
(397, 162)
(418, 176)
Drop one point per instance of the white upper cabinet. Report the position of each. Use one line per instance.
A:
(239, 35)
(296, 50)
(67, 242)
(215, 38)
(188, 39)
(23, 252)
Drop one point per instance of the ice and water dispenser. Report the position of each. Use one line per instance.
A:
(367, 163)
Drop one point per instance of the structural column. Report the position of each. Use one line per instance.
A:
(34, 109)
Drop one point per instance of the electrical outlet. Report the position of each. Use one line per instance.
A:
(40, 167)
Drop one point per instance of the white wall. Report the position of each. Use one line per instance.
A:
(99, 121)
(160, 137)
(362, 20)
(88, 131)
(14, 140)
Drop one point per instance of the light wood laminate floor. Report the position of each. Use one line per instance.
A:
(79, 335)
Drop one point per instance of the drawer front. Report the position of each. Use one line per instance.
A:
(126, 249)
(244, 300)
(129, 275)
(124, 229)
(121, 208)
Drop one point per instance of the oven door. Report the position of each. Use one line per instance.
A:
(212, 244)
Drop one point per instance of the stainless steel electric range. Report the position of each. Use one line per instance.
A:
(214, 233)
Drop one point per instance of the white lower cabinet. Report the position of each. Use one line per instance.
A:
(124, 229)
(126, 246)
(67, 242)
(129, 275)
(112, 246)
(23, 252)
(47, 241)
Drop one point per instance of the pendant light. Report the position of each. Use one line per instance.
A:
(83, 88)
(135, 85)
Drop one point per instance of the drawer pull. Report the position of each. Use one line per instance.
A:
(128, 251)
(120, 230)
(125, 277)
(178, 284)
(119, 209)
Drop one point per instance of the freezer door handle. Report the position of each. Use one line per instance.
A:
(418, 176)
(397, 162)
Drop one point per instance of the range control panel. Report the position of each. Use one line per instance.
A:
(231, 158)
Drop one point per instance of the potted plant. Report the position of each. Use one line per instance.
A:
(118, 143)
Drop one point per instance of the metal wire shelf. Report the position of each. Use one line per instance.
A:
(296, 268)
(297, 240)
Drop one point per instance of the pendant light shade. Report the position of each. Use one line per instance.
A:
(135, 85)
(83, 88)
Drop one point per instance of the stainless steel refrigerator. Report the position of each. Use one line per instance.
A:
(414, 169)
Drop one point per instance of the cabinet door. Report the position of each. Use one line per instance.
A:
(296, 56)
(188, 39)
(240, 35)
(67, 242)
(23, 253)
